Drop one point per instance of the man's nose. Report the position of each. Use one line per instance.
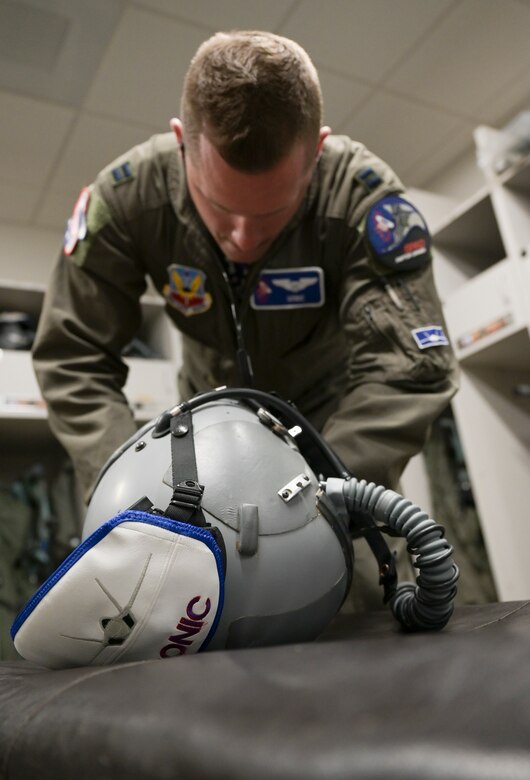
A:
(245, 234)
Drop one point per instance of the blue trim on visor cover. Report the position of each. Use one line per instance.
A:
(129, 515)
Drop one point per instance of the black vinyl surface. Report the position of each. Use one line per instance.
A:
(365, 701)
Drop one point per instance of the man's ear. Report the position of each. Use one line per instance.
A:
(324, 132)
(176, 126)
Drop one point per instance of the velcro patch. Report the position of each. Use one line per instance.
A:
(430, 336)
(289, 288)
(186, 290)
(368, 178)
(396, 234)
(76, 227)
(122, 173)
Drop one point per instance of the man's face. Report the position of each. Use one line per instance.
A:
(245, 212)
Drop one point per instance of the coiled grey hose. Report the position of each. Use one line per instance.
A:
(429, 603)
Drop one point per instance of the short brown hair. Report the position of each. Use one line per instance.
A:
(254, 94)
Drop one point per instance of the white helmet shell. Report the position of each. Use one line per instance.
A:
(287, 570)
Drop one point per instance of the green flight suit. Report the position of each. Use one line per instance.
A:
(350, 363)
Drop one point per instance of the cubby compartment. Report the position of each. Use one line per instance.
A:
(492, 410)
(511, 196)
(466, 244)
(152, 361)
(486, 310)
(150, 388)
(481, 251)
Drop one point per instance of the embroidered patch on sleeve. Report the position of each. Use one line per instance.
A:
(186, 290)
(96, 215)
(396, 234)
(289, 288)
(430, 336)
(76, 227)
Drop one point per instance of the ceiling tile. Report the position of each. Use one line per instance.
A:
(399, 130)
(509, 101)
(142, 71)
(341, 97)
(441, 156)
(470, 56)
(58, 46)
(459, 178)
(363, 38)
(17, 202)
(226, 14)
(31, 35)
(94, 143)
(32, 133)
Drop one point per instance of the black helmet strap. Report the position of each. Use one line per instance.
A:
(185, 503)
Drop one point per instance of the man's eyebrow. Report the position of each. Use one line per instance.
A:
(229, 211)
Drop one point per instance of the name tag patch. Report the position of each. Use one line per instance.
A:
(397, 236)
(289, 288)
(430, 336)
(186, 290)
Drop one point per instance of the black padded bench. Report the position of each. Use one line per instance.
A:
(365, 701)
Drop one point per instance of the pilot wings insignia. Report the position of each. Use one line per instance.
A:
(295, 285)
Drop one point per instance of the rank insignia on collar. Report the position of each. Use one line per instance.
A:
(122, 173)
(186, 290)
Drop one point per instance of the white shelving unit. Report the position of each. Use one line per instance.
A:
(24, 431)
(482, 269)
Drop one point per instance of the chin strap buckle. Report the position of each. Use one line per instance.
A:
(185, 503)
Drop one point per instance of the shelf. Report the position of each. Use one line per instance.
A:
(22, 298)
(17, 409)
(154, 330)
(494, 422)
(480, 256)
(486, 311)
(150, 387)
(503, 351)
(466, 244)
(17, 379)
(518, 176)
(471, 232)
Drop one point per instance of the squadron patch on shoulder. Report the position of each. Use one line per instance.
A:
(289, 288)
(76, 227)
(396, 234)
(186, 290)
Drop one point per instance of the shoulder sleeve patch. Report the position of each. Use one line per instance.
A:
(396, 235)
(89, 216)
(76, 226)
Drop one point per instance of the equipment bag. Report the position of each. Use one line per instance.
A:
(141, 586)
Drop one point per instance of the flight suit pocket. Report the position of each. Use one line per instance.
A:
(383, 342)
